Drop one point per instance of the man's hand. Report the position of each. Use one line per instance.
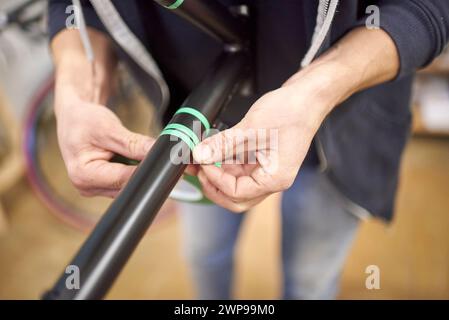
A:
(88, 139)
(294, 112)
(276, 133)
(89, 134)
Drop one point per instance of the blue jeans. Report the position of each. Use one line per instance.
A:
(317, 232)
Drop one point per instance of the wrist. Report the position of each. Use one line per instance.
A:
(68, 98)
(78, 83)
(331, 81)
(362, 59)
(318, 88)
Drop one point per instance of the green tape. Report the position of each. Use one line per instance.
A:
(180, 135)
(194, 112)
(191, 139)
(175, 4)
(185, 130)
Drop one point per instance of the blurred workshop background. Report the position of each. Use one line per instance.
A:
(43, 220)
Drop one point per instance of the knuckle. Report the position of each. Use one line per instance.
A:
(118, 183)
(227, 145)
(234, 198)
(285, 183)
(133, 143)
(237, 208)
(228, 139)
(113, 195)
(230, 193)
(76, 175)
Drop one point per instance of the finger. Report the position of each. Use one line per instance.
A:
(227, 144)
(127, 143)
(233, 169)
(105, 175)
(216, 196)
(192, 170)
(238, 170)
(237, 188)
(100, 193)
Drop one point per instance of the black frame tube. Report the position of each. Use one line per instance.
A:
(115, 237)
(213, 18)
(109, 246)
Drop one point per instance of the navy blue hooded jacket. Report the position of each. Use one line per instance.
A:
(361, 142)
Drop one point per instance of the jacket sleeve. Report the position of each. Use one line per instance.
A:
(60, 11)
(420, 30)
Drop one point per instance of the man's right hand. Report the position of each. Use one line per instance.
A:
(88, 138)
(89, 134)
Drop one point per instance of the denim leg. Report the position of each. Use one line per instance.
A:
(317, 233)
(209, 237)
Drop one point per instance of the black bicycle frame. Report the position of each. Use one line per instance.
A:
(109, 246)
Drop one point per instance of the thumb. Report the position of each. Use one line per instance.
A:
(130, 144)
(226, 145)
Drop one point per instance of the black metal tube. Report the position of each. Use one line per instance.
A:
(211, 17)
(105, 252)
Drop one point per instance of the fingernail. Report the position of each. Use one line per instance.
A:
(203, 153)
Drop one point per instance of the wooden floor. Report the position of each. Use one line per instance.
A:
(412, 253)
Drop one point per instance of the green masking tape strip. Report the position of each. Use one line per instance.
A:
(185, 130)
(175, 4)
(180, 135)
(173, 127)
(196, 114)
(173, 130)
